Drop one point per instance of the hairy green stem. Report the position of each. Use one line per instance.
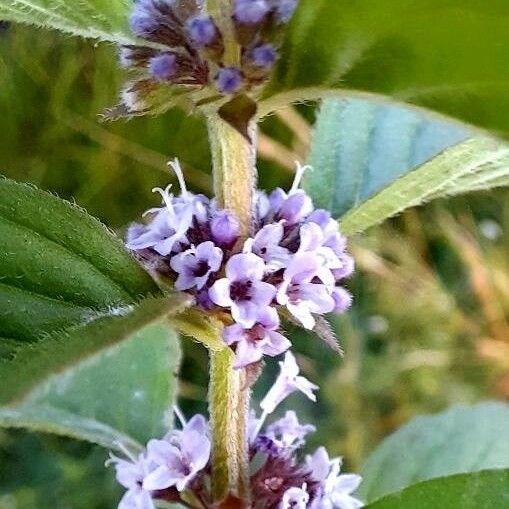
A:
(233, 158)
(222, 10)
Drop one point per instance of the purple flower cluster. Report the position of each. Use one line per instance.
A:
(194, 54)
(291, 266)
(177, 467)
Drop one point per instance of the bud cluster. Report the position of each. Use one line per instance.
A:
(177, 468)
(291, 266)
(187, 46)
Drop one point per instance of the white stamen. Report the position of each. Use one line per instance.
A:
(179, 415)
(175, 165)
(299, 174)
(166, 197)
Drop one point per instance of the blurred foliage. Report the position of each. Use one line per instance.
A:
(430, 322)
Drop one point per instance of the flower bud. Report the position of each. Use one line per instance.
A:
(225, 229)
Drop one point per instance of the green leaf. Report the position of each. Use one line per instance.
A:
(96, 19)
(58, 265)
(483, 490)
(114, 377)
(462, 439)
(476, 164)
(359, 147)
(447, 56)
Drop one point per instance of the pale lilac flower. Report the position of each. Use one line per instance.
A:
(342, 299)
(276, 199)
(242, 289)
(130, 474)
(261, 205)
(250, 11)
(287, 432)
(295, 498)
(296, 207)
(179, 457)
(300, 295)
(168, 229)
(261, 339)
(312, 241)
(195, 265)
(286, 383)
(336, 489)
(224, 228)
(265, 244)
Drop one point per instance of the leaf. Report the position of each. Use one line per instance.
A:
(58, 265)
(95, 19)
(476, 164)
(450, 57)
(359, 147)
(32, 364)
(462, 439)
(114, 377)
(482, 490)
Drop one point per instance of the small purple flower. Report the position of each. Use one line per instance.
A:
(287, 432)
(224, 228)
(243, 290)
(261, 339)
(168, 229)
(295, 498)
(229, 80)
(265, 244)
(261, 205)
(342, 299)
(195, 265)
(130, 474)
(263, 56)
(163, 67)
(179, 457)
(336, 489)
(286, 383)
(250, 11)
(296, 207)
(300, 295)
(202, 30)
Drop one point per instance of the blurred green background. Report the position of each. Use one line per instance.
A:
(429, 326)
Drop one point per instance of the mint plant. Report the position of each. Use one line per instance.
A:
(231, 269)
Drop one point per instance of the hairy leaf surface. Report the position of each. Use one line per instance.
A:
(459, 440)
(359, 147)
(447, 56)
(108, 378)
(481, 490)
(58, 265)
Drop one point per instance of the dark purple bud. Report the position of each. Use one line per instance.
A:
(144, 20)
(202, 30)
(225, 228)
(163, 67)
(250, 11)
(229, 80)
(203, 300)
(263, 56)
(285, 10)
